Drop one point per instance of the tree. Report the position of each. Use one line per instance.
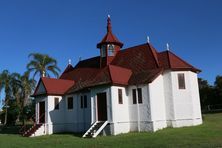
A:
(206, 93)
(22, 87)
(16, 91)
(42, 64)
(5, 81)
(218, 89)
(28, 85)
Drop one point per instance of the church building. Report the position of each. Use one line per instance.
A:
(122, 90)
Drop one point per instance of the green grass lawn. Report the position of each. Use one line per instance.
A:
(207, 135)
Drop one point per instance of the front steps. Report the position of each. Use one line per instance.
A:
(35, 130)
(95, 129)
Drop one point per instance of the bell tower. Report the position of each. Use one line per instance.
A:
(109, 46)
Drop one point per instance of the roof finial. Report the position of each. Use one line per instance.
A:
(168, 46)
(43, 73)
(109, 27)
(70, 62)
(148, 39)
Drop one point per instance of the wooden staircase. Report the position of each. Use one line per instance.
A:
(95, 129)
(28, 132)
(32, 130)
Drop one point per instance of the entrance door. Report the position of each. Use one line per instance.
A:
(42, 112)
(101, 107)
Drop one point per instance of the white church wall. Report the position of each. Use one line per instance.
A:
(120, 111)
(185, 101)
(168, 93)
(196, 98)
(182, 97)
(79, 118)
(157, 103)
(94, 92)
(139, 114)
(54, 118)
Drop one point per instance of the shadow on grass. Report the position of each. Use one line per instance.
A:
(11, 129)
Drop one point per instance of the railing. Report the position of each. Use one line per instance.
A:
(92, 125)
(24, 128)
(94, 135)
(100, 129)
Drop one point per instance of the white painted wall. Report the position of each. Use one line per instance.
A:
(120, 111)
(157, 103)
(139, 114)
(162, 103)
(55, 118)
(182, 105)
(168, 93)
(94, 92)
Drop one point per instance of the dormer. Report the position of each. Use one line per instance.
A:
(109, 46)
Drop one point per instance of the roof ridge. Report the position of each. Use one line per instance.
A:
(168, 58)
(181, 59)
(154, 54)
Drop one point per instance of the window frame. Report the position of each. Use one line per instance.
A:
(68, 106)
(140, 95)
(85, 101)
(111, 50)
(181, 81)
(56, 103)
(120, 96)
(81, 102)
(134, 97)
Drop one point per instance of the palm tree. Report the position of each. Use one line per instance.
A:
(28, 85)
(16, 90)
(22, 87)
(42, 64)
(5, 81)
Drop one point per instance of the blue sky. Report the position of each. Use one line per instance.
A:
(69, 29)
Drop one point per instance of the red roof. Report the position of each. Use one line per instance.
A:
(107, 75)
(54, 86)
(169, 60)
(132, 66)
(68, 68)
(119, 75)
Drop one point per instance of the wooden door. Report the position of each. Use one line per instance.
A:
(101, 107)
(42, 112)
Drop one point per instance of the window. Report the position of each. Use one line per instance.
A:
(120, 96)
(85, 101)
(181, 80)
(140, 98)
(56, 103)
(134, 96)
(111, 50)
(70, 103)
(103, 51)
(81, 100)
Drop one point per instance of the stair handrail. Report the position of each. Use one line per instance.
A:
(24, 128)
(92, 125)
(100, 129)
